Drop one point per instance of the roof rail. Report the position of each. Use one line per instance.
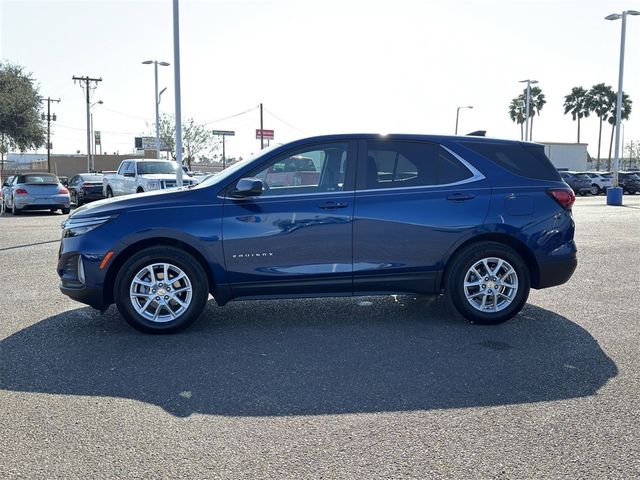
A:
(477, 133)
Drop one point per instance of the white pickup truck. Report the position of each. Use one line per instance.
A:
(138, 175)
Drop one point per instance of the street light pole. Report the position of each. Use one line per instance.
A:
(614, 195)
(458, 114)
(528, 101)
(157, 99)
(176, 74)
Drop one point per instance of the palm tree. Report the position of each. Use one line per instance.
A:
(577, 103)
(625, 111)
(516, 113)
(599, 102)
(536, 102)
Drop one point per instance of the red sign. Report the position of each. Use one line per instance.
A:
(266, 134)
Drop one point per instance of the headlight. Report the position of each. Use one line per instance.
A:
(153, 185)
(74, 227)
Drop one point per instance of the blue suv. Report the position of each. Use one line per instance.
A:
(482, 220)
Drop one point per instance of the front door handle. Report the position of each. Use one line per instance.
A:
(332, 205)
(460, 197)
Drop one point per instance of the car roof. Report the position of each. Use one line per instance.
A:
(410, 136)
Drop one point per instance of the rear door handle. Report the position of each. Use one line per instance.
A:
(333, 205)
(460, 197)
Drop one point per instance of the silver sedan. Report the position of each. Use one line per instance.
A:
(36, 191)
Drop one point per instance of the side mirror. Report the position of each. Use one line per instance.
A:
(129, 174)
(247, 187)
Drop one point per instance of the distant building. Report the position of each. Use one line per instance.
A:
(568, 156)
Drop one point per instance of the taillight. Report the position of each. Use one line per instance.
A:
(21, 191)
(564, 196)
(63, 190)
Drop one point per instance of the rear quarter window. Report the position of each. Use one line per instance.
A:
(524, 160)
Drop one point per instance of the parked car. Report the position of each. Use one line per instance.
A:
(6, 184)
(64, 181)
(630, 182)
(482, 220)
(85, 187)
(600, 181)
(581, 184)
(36, 191)
(138, 175)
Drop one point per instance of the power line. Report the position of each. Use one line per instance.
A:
(49, 118)
(231, 116)
(87, 84)
(285, 122)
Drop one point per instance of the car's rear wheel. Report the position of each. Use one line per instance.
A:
(109, 192)
(161, 290)
(65, 211)
(595, 190)
(488, 283)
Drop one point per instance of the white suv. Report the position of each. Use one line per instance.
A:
(600, 181)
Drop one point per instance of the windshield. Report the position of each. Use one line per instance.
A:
(235, 167)
(145, 168)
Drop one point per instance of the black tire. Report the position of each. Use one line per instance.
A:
(140, 190)
(162, 254)
(109, 192)
(595, 190)
(65, 211)
(462, 262)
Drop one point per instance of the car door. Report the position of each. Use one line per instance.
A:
(414, 201)
(296, 237)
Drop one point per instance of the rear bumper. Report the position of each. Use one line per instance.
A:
(556, 272)
(28, 202)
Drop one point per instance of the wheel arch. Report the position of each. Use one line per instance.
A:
(123, 256)
(508, 240)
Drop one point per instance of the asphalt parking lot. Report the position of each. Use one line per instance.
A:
(385, 387)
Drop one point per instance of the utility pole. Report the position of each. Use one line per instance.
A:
(49, 118)
(87, 85)
(261, 130)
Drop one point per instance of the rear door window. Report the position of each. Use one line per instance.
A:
(398, 164)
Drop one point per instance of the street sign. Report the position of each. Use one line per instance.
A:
(266, 134)
(97, 137)
(227, 133)
(149, 143)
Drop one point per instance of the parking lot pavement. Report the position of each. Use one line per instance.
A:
(385, 387)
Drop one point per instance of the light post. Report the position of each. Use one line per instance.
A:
(458, 115)
(157, 99)
(93, 139)
(614, 194)
(527, 102)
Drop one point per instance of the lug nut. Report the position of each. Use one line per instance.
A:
(158, 298)
(159, 284)
(484, 286)
(166, 297)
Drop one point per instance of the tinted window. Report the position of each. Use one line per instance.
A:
(90, 178)
(145, 168)
(525, 160)
(400, 164)
(123, 168)
(316, 169)
(411, 164)
(38, 178)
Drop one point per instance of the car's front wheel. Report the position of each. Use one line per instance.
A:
(595, 190)
(161, 290)
(488, 283)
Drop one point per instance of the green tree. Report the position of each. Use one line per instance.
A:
(577, 103)
(198, 143)
(20, 123)
(625, 112)
(599, 102)
(516, 113)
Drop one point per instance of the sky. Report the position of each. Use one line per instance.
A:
(321, 66)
